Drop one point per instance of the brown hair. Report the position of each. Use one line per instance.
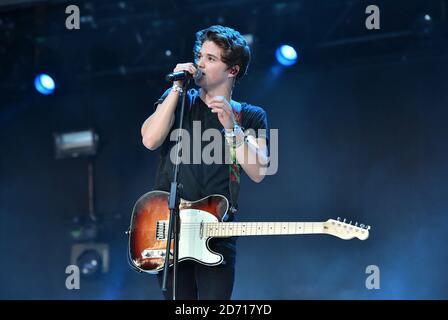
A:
(236, 51)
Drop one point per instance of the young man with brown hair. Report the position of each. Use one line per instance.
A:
(222, 55)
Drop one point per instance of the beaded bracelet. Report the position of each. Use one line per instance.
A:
(177, 88)
(235, 137)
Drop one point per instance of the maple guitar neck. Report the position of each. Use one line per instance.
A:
(230, 229)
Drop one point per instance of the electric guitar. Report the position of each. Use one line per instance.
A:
(202, 220)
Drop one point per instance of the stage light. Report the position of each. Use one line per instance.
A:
(286, 55)
(75, 144)
(44, 84)
(89, 262)
(92, 259)
(424, 25)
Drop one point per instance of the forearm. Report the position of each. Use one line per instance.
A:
(252, 159)
(250, 153)
(155, 129)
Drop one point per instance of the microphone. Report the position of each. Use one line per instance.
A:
(183, 75)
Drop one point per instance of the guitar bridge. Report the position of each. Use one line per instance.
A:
(148, 253)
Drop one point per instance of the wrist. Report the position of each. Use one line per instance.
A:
(234, 127)
(177, 88)
(235, 137)
(235, 130)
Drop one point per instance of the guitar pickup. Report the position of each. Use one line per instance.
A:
(161, 230)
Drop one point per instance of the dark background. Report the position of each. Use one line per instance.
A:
(362, 120)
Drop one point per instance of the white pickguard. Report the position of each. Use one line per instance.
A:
(191, 245)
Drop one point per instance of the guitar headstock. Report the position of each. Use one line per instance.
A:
(346, 231)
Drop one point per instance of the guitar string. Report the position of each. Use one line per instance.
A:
(277, 225)
(253, 226)
(248, 224)
(245, 223)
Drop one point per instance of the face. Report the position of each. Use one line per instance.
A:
(215, 71)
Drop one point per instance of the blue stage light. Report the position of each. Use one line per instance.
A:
(286, 55)
(44, 84)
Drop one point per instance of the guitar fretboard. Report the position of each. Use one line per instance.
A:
(230, 229)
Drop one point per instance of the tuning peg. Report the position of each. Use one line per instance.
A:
(344, 220)
(368, 228)
(350, 222)
(339, 219)
(362, 225)
(356, 224)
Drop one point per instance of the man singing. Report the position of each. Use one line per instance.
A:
(222, 55)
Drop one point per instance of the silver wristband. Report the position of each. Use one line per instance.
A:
(177, 88)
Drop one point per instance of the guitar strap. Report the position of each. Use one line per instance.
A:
(235, 168)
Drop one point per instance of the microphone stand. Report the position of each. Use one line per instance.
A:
(173, 205)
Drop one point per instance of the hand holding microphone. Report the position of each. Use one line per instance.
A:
(182, 72)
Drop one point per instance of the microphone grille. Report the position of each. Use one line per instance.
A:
(198, 74)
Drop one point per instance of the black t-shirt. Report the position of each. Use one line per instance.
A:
(199, 180)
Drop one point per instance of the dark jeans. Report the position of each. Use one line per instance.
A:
(196, 281)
